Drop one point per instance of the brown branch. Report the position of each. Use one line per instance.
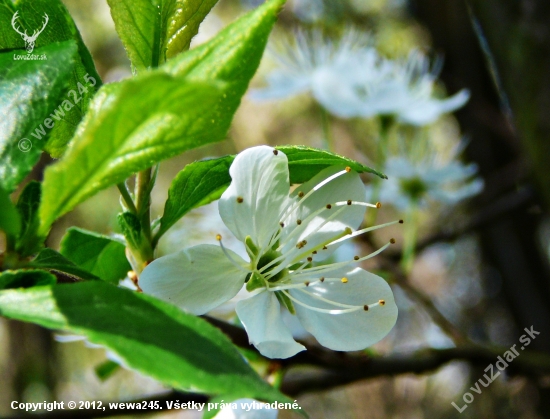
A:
(341, 369)
(501, 207)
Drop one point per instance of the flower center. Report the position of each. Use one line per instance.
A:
(414, 187)
(267, 259)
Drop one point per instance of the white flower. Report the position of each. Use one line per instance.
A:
(350, 79)
(414, 183)
(403, 90)
(302, 62)
(344, 307)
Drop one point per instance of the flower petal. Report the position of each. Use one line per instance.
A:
(341, 189)
(196, 279)
(261, 317)
(245, 410)
(350, 331)
(429, 110)
(259, 189)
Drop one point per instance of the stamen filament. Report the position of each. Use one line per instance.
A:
(293, 204)
(364, 230)
(303, 284)
(319, 269)
(326, 300)
(322, 310)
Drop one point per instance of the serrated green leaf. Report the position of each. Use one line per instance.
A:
(191, 186)
(10, 221)
(153, 31)
(53, 261)
(25, 278)
(150, 336)
(232, 57)
(29, 91)
(305, 162)
(130, 126)
(60, 27)
(28, 241)
(95, 253)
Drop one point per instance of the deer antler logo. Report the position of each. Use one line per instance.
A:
(29, 40)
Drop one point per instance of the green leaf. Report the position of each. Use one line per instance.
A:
(60, 27)
(133, 124)
(201, 182)
(306, 162)
(130, 126)
(152, 337)
(25, 278)
(53, 261)
(153, 31)
(191, 186)
(97, 254)
(106, 369)
(10, 221)
(29, 91)
(28, 241)
(232, 57)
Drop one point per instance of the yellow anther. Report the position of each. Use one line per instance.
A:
(344, 280)
(301, 194)
(378, 205)
(240, 199)
(307, 283)
(382, 302)
(322, 279)
(218, 237)
(392, 241)
(348, 169)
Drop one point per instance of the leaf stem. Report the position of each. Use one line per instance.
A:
(125, 193)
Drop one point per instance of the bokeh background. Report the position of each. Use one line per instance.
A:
(483, 262)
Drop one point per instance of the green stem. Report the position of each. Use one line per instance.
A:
(327, 132)
(409, 238)
(127, 197)
(143, 201)
(381, 156)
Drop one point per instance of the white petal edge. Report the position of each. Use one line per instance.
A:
(261, 317)
(352, 331)
(197, 279)
(258, 192)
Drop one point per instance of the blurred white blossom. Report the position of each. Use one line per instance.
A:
(369, 85)
(350, 79)
(417, 182)
(302, 61)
